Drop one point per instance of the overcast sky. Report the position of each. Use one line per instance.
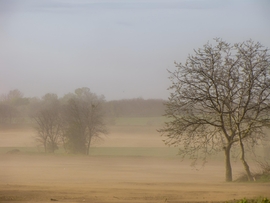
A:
(119, 49)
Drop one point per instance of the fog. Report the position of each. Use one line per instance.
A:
(118, 49)
(122, 50)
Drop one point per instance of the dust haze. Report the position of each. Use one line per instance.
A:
(120, 50)
(134, 167)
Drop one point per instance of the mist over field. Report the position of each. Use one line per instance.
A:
(83, 92)
(129, 164)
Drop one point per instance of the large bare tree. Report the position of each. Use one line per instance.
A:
(219, 99)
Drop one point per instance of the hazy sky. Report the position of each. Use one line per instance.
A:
(121, 49)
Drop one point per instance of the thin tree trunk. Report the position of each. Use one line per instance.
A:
(228, 167)
(45, 146)
(246, 166)
(88, 145)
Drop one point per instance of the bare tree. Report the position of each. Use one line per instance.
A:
(220, 98)
(47, 118)
(84, 120)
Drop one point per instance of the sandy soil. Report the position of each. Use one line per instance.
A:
(40, 178)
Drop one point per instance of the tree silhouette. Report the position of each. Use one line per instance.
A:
(220, 98)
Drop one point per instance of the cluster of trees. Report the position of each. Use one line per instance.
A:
(220, 100)
(73, 121)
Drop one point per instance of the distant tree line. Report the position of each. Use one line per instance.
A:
(137, 107)
(15, 108)
(73, 121)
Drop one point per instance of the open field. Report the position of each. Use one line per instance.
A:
(116, 179)
(131, 164)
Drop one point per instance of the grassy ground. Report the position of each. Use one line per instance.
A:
(131, 164)
(128, 136)
(107, 151)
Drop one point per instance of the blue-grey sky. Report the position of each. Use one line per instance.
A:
(119, 48)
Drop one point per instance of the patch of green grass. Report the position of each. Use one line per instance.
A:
(106, 151)
(265, 177)
(156, 152)
(258, 200)
(28, 150)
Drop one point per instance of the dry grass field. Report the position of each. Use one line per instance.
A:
(131, 164)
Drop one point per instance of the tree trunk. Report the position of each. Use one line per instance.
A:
(246, 166)
(88, 145)
(228, 166)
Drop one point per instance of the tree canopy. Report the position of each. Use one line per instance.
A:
(83, 120)
(220, 98)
